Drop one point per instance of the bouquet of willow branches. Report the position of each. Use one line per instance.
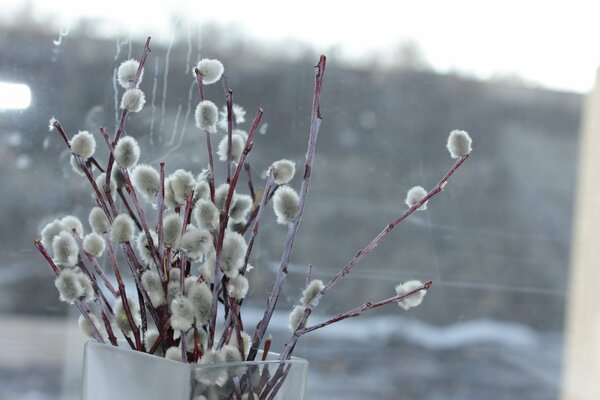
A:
(190, 258)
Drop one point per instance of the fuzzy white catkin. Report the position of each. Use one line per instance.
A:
(221, 193)
(72, 223)
(212, 376)
(238, 287)
(200, 296)
(150, 339)
(182, 183)
(69, 286)
(117, 176)
(207, 268)
(122, 229)
(83, 144)
(127, 152)
(152, 283)
(172, 225)
(295, 317)
(232, 354)
(173, 354)
(170, 202)
(50, 231)
(199, 334)
(196, 242)
(94, 244)
(202, 190)
(237, 147)
(189, 282)
(85, 327)
(238, 113)
(121, 316)
(283, 171)
(141, 243)
(182, 313)
(101, 182)
(133, 100)
(414, 299)
(459, 143)
(126, 72)
(65, 249)
(211, 70)
(98, 220)
(173, 287)
(207, 115)
(238, 212)
(146, 180)
(250, 396)
(285, 204)
(232, 253)
(206, 214)
(313, 288)
(75, 166)
(415, 195)
(246, 340)
(87, 294)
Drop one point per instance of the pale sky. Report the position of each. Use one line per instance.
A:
(553, 43)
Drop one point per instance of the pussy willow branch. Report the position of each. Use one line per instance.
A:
(124, 112)
(250, 183)
(128, 208)
(211, 164)
(132, 194)
(56, 124)
(258, 215)
(99, 299)
(355, 312)
(229, 102)
(134, 328)
(288, 347)
(223, 226)
(101, 274)
(159, 223)
(97, 335)
(293, 227)
(84, 267)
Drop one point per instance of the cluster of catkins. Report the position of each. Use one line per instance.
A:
(187, 299)
(174, 260)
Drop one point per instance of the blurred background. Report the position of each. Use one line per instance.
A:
(498, 242)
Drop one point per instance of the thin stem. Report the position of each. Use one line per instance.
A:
(211, 164)
(134, 328)
(355, 312)
(120, 128)
(250, 183)
(223, 226)
(229, 102)
(159, 223)
(293, 227)
(129, 210)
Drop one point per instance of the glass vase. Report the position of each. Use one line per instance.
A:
(119, 373)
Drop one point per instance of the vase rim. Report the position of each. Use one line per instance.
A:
(293, 360)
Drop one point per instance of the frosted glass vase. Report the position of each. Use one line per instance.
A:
(119, 373)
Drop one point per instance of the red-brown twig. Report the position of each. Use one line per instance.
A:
(223, 226)
(293, 228)
(211, 165)
(159, 223)
(120, 128)
(355, 312)
(250, 183)
(134, 328)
